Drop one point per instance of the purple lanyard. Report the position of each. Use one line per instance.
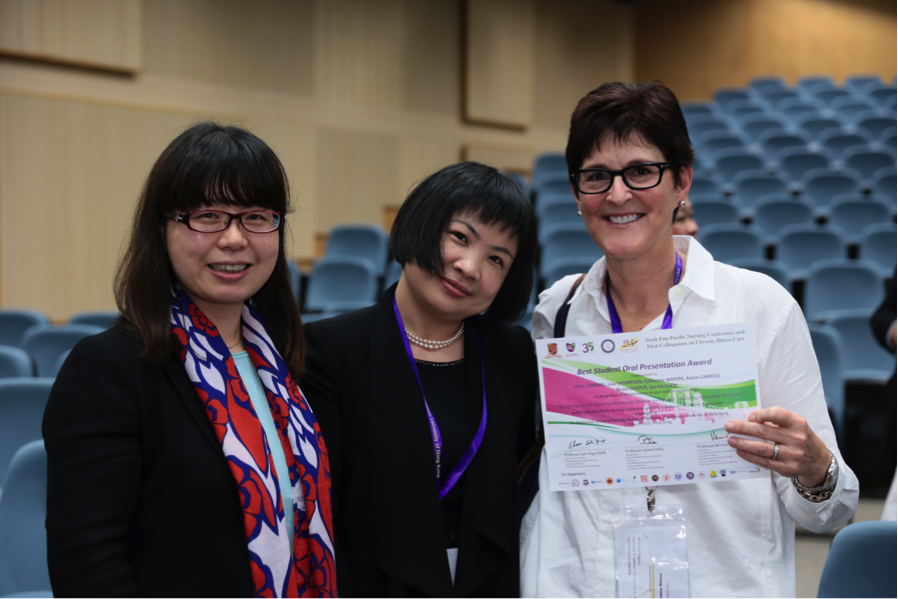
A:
(469, 453)
(617, 327)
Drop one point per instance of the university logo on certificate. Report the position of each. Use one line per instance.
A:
(647, 408)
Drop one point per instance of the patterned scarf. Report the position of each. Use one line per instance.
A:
(213, 372)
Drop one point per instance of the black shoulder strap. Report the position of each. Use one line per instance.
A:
(561, 315)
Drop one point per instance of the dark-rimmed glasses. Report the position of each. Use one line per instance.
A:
(213, 221)
(636, 177)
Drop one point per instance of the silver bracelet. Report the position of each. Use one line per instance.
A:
(824, 491)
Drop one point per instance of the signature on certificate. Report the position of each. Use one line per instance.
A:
(578, 443)
(716, 437)
(646, 440)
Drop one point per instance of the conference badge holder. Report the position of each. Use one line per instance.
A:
(650, 552)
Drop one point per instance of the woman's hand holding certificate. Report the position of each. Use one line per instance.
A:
(787, 436)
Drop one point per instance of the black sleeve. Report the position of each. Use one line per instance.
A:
(319, 384)
(530, 394)
(885, 315)
(91, 430)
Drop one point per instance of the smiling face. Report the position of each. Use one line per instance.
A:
(221, 270)
(629, 224)
(476, 257)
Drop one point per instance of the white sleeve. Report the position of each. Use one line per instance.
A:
(790, 378)
(550, 300)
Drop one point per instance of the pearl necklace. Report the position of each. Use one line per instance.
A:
(433, 345)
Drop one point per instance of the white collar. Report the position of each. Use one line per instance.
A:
(699, 277)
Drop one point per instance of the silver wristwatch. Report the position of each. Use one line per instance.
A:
(824, 491)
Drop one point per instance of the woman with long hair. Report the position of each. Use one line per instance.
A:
(182, 457)
(427, 399)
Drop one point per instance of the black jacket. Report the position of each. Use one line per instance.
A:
(140, 499)
(389, 533)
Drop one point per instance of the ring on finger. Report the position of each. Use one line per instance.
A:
(776, 451)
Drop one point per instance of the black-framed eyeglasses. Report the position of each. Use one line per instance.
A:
(213, 221)
(636, 177)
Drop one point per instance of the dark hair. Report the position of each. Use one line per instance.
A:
(490, 197)
(622, 110)
(206, 163)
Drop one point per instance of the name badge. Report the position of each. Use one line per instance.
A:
(650, 552)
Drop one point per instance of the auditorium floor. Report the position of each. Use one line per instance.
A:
(811, 549)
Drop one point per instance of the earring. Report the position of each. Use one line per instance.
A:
(580, 214)
(682, 203)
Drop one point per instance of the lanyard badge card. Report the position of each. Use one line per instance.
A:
(650, 552)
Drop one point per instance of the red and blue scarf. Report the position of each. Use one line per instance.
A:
(213, 372)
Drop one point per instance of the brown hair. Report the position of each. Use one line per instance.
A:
(623, 110)
(207, 162)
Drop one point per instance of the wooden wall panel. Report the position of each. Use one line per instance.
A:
(70, 174)
(264, 44)
(358, 52)
(697, 46)
(431, 54)
(358, 174)
(573, 57)
(499, 62)
(97, 33)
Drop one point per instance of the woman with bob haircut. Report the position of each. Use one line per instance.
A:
(427, 399)
(629, 158)
(182, 457)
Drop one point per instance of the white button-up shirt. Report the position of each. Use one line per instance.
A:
(740, 535)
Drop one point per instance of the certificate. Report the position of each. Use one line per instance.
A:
(647, 408)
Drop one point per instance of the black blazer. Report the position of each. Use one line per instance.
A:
(389, 535)
(140, 500)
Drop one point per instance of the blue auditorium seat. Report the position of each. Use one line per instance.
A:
(45, 343)
(795, 162)
(828, 348)
(567, 242)
(15, 362)
(774, 143)
(14, 323)
(548, 164)
(864, 358)
(861, 561)
(701, 125)
(774, 212)
(827, 96)
(552, 184)
(715, 213)
(856, 83)
(749, 187)
(885, 182)
(792, 108)
(883, 94)
(711, 143)
(22, 403)
(704, 186)
(103, 319)
(23, 536)
(866, 162)
(820, 186)
(731, 162)
(731, 242)
(692, 110)
(809, 84)
(777, 271)
(815, 124)
(547, 201)
(340, 285)
(756, 125)
(724, 96)
(836, 141)
(775, 97)
(834, 285)
(742, 108)
(368, 242)
(799, 246)
(853, 215)
(877, 246)
(874, 126)
(555, 215)
(767, 84)
(563, 267)
(850, 106)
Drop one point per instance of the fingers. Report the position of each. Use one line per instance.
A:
(778, 416)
